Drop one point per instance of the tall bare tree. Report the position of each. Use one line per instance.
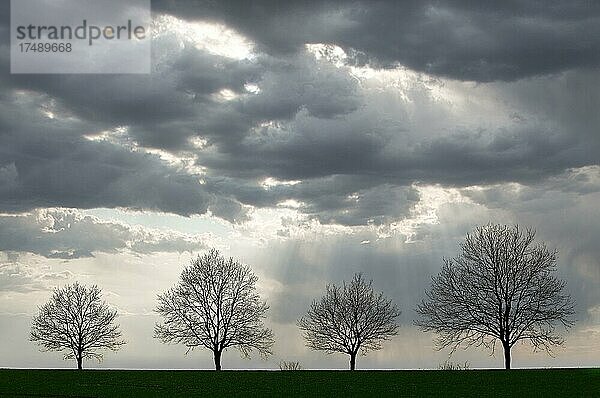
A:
(77, 322)
(501, 287)
(215, 306)
(351, 318)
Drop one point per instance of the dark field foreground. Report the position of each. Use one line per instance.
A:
(146, 383)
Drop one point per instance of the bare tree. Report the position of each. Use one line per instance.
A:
(500, 287)
(215, 306)
(290, 365)
(77, 322)
(350, 319)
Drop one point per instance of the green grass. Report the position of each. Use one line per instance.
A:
(417, 383)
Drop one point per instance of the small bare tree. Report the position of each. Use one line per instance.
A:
(290, 365)
(77, 322)
(215, 306)
(349, 319)
(500, 287)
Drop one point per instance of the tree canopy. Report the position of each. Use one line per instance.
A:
(351, 318)
(77, 322)
(501, 287)
(215, 306)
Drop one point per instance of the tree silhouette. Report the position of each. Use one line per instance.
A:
(77, 322)
(500, 287)
(349, 319)
(215, 306)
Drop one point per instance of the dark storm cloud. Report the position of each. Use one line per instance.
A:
(351, 145)
(312, 148)
(202, 73)
(161, 111)
(466, 40)
(47, 163)
(302, 82)
(177, 101)
(570, 99)
(164, 109)
(344, 200)
(356, 149)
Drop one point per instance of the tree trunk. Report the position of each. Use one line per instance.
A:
(352, 361)
(506, 356)
(217, 355)
(79, 362)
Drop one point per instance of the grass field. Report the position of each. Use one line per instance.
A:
(473, 383)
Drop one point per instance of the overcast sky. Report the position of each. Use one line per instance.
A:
(311, 140)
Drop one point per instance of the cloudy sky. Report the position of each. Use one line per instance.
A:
(310, 140)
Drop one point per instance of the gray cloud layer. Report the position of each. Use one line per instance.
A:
(312, 121)
(481, 41)
(68, 234)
